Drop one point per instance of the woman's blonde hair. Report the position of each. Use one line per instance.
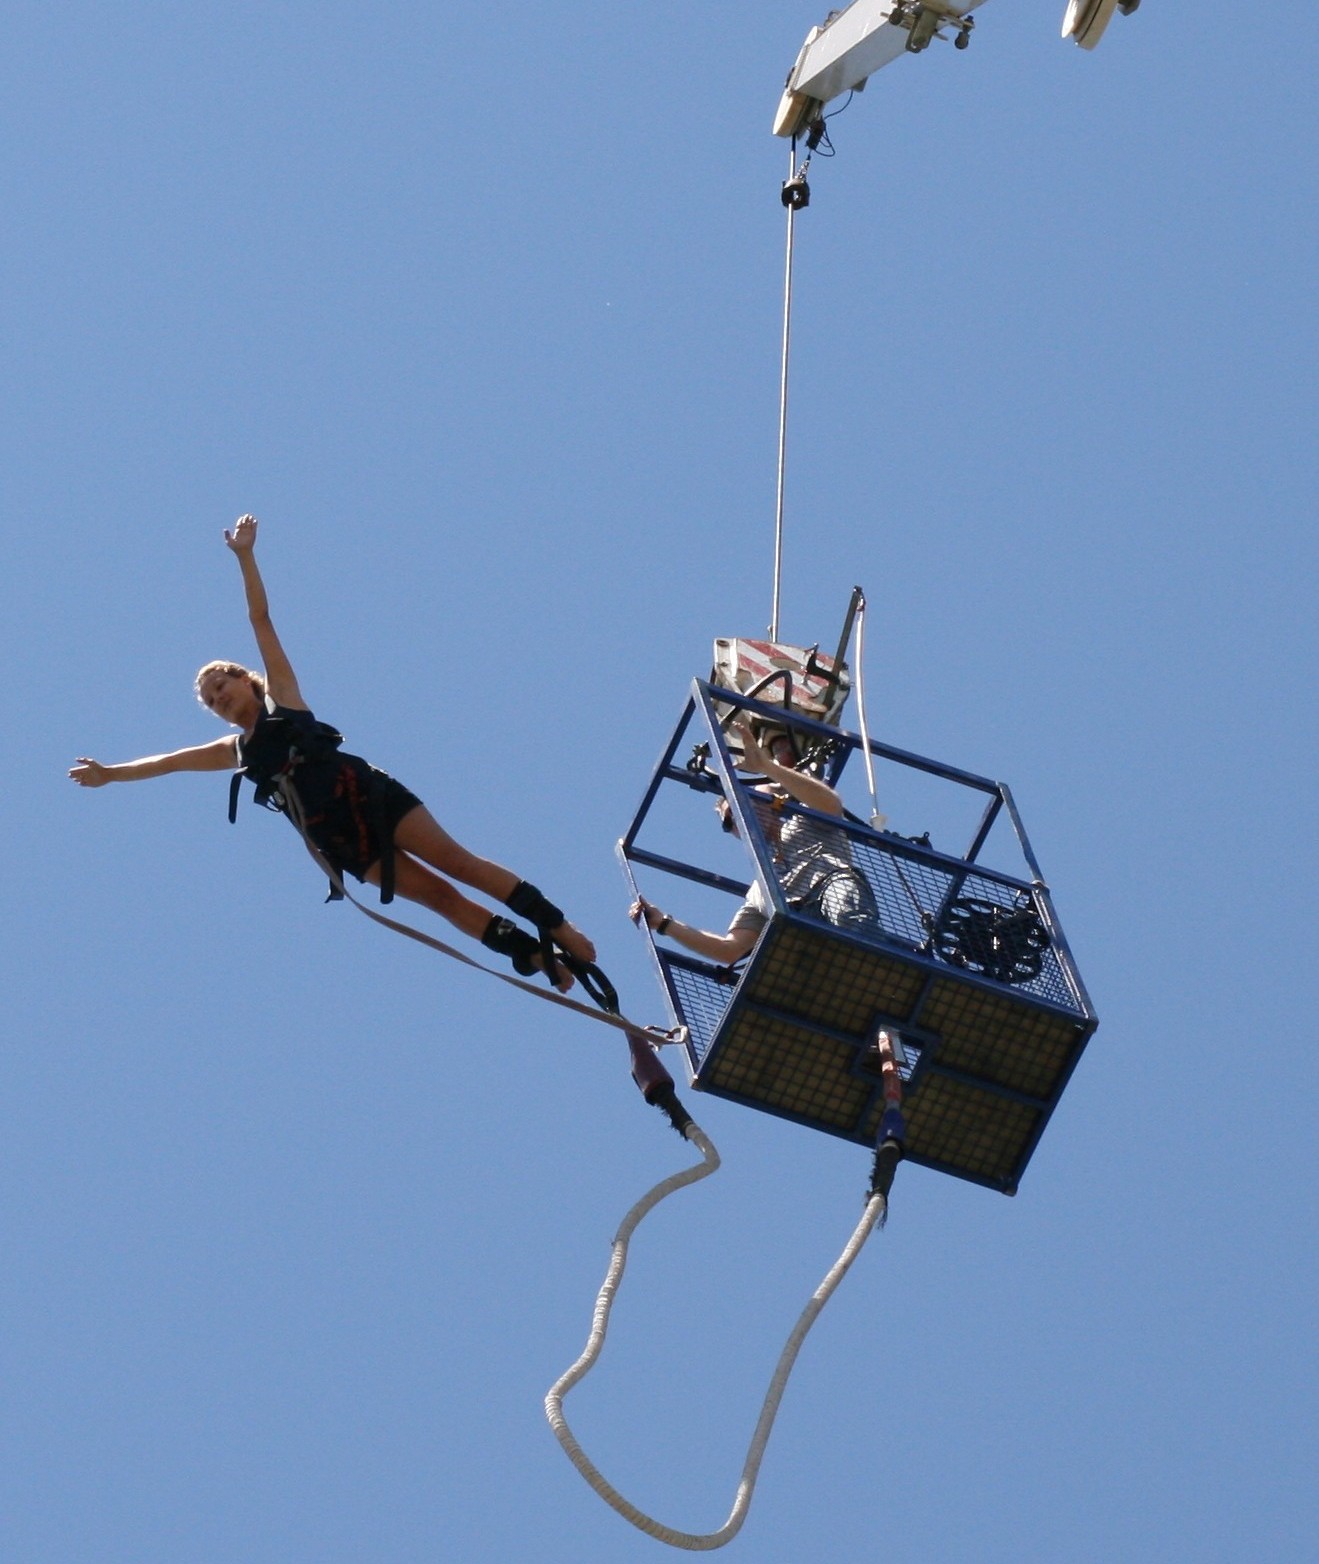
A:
(235, 671)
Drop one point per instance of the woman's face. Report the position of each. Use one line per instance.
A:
(230, 696)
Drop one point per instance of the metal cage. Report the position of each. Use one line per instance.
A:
(965, 962)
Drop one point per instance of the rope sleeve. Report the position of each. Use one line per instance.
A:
(656, 1084)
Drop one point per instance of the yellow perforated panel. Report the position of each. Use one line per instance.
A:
(973, 1131)
(1001, 1040)
(833, 983)
(790, 1069)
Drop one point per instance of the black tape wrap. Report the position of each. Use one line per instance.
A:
(525, 900)
(522, 950)
(887, 1156)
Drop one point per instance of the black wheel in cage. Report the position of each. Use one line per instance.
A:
(1004, 943)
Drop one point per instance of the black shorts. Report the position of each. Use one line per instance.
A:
(351, 810)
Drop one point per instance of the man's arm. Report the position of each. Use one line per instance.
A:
(218, 755)
(807, 790)
(281, 681)
(723, 948)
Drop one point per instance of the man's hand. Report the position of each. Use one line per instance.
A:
(753, 757)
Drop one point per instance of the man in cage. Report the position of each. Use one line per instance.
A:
(812, 860)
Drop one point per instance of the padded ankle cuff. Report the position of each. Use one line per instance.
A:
(525, 900)
(505, 937)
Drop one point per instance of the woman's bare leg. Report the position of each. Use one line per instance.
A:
(428, 889)
(415, 882)
(421, 834)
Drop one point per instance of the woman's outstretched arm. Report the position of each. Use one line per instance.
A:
(281, 681)
(218, 755)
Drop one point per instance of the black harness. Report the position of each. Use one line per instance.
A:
(280, 743)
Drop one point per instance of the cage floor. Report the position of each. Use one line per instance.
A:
(792, 1043)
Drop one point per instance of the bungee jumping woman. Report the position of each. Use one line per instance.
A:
(362, 821)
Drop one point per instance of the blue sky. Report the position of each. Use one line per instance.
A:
(479, 312)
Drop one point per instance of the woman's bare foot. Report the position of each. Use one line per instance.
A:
(564, 981)
(573, 941)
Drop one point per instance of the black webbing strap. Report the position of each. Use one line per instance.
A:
(385, 836)
(525, 900)
(592, 979)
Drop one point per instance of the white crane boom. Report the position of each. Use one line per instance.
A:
(851, 45)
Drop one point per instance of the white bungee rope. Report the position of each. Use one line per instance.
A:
(696, 1542)
(878, 819)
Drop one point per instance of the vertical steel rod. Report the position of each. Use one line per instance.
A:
(783, 409)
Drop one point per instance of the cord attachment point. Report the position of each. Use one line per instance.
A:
(655, 1083)
(796, 193)
(887, 1156)
(887, 1050)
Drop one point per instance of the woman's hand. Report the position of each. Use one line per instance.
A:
(89, 772)
(242, 540)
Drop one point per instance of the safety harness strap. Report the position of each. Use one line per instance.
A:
(527, 902)
(504, 936)
(592, 979)
(606, 1017)
(385, 836)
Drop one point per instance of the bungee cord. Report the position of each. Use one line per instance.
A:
(696, 1542)
(656, 1085)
